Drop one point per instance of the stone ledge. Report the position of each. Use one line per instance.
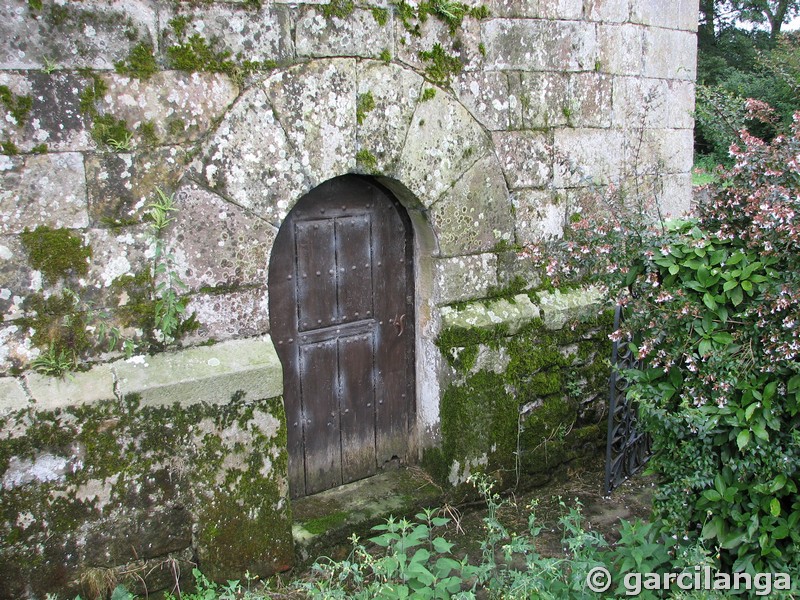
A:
(485, 316)
(50, 393)
(203, 374)
(554, 308)
(209, 374)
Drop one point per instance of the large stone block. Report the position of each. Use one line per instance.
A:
(315, 104)
(558, 308)
(182, 107)
(55, 118)
(117, 253)
(359, 34)
(17, 278)
(653, 103)
(120, 186)
(464, 45)
(442, 143)
(607, 11)
(620, 49)
(486, 96)
(675, 194)
(230, 315)
(526, 157)
(249, 34)
(476, 214)
(672, 14)
(670, 54)
(662, 151)
(464, 277)
(540, 216)
(210, 374)
(42, 190)
(589, 100)
(91, 34)
(478, 315)
(587, 156)
(540, 45)
(12, 396)
(543, 99)
(395, 92)
(16, 349)
(249, 160)
(215, 243)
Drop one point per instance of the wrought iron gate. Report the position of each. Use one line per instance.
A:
(628, 447)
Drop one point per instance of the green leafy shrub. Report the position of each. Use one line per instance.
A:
(715, 303)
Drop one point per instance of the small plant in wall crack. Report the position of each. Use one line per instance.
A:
(170, 320)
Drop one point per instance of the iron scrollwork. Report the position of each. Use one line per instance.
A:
(628, 447)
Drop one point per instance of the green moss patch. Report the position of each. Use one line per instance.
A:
(57, 253)
(18, 107)
(324, 523)
(524, 410)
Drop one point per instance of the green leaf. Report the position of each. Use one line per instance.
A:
(441, 545)
(704, 347)
(748, 413)
(674, 269)
(736, 296)
(759, 431)
(712, 495)
(729, 285)
(723, 337)
(708, 300)
(775, 507)
(743, 439)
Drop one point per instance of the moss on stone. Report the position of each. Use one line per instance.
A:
(324, 523)
(364, 105)
(150, 458)
(110, 131)
(440, 66)
(367, 160)
(57, 253)
(141, 62)
(338, 8)
(19, 107)
(92, 93)
(8, 148)
(480, 412)
(380, 14)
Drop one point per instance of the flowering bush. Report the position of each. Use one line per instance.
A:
(715, 305)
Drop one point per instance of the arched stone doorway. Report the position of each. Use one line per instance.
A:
(301, 127)
(341, 306)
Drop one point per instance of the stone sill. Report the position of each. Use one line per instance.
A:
(205, 374)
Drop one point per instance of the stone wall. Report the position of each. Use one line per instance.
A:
(137, 471)
(527, 387)
(491, 124)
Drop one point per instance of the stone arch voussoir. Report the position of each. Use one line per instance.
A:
(311, 122)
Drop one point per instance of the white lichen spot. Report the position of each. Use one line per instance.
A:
(116, 267)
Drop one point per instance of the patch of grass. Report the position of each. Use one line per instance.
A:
(8, 148)
(386, 56)
(366, 159)
(428, 94)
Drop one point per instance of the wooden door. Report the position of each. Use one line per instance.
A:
(341, 305)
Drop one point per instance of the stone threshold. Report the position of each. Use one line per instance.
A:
(324, 522)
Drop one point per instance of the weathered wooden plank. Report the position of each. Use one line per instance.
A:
(317, 305)
(320, 398)
(357, 405)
